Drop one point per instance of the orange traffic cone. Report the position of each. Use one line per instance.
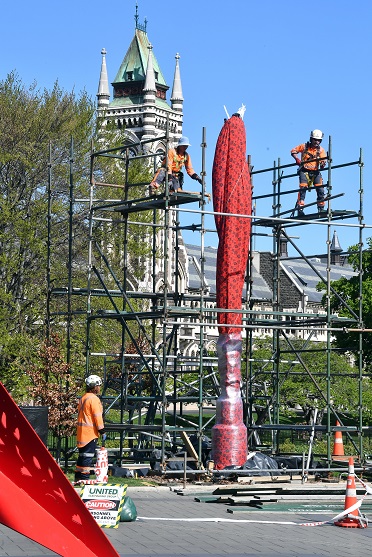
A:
(353, 519)
(338, 446)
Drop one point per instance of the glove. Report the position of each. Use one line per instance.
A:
(197, 178)
(103, 437)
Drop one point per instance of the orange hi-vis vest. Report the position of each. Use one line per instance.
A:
(176, 162)
(309, 155)
(90, 419)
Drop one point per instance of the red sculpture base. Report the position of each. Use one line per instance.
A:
(229, 435)
(229, 444)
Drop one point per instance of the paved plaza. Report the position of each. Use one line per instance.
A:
(176, 525)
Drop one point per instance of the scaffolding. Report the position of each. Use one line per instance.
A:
(280, 222)
(155, 397)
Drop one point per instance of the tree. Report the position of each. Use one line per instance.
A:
(46, 140)
(53, 386)
(345, 302)
(303, 377)
(35, 129)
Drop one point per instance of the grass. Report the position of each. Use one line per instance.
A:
(130, 482)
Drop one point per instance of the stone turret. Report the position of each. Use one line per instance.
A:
(139, 104)
(103, 94)
(335, 250)
(149, 100)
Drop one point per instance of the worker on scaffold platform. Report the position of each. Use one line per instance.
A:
(313, 157)
(177, 159)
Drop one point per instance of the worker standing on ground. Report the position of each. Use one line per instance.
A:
(89, 427)
(177, 159)
(309, 173)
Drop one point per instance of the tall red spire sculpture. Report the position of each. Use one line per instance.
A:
(232, 194)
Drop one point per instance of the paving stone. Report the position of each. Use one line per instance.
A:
(173, 526)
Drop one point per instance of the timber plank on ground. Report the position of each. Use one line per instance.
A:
(251, 500)
(210, 499)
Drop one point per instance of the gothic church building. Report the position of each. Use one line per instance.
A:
(140, 91)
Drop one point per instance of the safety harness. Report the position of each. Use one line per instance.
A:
(306, 157)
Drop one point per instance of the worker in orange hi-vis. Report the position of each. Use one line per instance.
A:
(89, 427)
(172, 165)
(313, 158)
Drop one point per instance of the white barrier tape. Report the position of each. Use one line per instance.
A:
(366, 486)
(344, 513)
(214, 520)
(244, 520)
(349, 510)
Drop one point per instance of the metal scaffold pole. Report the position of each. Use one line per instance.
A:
(328, 308)
(360, 322)
(161, 328)
(49, 242)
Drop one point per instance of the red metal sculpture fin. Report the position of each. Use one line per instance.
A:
(36, 498)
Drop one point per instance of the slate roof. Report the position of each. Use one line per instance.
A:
(299, 271)
(136, 59)
(307, 278)
(260, 288)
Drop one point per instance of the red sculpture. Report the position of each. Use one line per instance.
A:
(36, 498)
(232, 194)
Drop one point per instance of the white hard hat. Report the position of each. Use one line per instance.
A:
(93, 381)
(317, 134)
(183, 141)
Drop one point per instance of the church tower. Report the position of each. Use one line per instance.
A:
(139, 102)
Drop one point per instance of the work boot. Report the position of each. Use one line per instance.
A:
(300, 213)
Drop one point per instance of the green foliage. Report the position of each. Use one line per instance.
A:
(35, 129)
(17, 351)
(303, 377)
(288, 446)
(347, 302)
(130, 482)
(45, 155)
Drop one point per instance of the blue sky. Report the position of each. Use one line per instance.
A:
(296, 66)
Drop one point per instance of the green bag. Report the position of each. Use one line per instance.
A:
(129, 511)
